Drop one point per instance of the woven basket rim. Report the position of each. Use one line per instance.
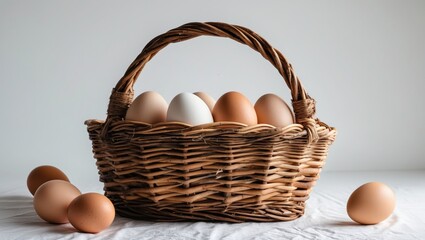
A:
(219, 128)
(238, 125)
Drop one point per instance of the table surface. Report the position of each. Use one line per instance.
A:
(325, 216)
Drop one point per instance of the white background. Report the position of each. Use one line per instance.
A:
(363, 61)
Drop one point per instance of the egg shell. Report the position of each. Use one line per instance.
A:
(207, 99)
(272, 110)
(234, 107)
(51, 200)
(148, 107)
(91, 213)
(371, 203)
(42, 174)
(190, 109)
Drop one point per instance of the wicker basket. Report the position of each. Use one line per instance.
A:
(223, 171)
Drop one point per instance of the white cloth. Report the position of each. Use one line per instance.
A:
(325, 216)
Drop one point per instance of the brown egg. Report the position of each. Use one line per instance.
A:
(148, 107)
(371, 203)
(91, 212)
(234, 107)
(42, 174)
(207, 99)
(51, 200)
(272, 110)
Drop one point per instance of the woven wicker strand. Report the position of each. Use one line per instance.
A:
(223, 171)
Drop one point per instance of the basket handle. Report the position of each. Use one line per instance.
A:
(122, 94)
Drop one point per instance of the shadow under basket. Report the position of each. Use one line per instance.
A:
(222, 171)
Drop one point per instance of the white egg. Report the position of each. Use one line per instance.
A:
(190, 109)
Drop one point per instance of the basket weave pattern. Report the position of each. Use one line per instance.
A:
(223, 171)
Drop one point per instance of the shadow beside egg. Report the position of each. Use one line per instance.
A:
(344, 224)
(65, 228)
(389, 222)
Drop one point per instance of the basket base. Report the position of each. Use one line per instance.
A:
(180, 214)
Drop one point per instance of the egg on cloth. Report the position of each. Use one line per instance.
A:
(148, 107)
(190, 109)
(42, 174)
(91, 212)
(234, 107)
(272, 110)
(51, 200)
(371, 203)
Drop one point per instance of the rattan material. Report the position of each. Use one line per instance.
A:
(222, 171)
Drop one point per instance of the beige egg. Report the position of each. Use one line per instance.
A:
(371, 203)
(91, 212)
(207, 99)
(51, 200)
(272, 110)
(234, 107)
(42, 174)
(148, 107)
